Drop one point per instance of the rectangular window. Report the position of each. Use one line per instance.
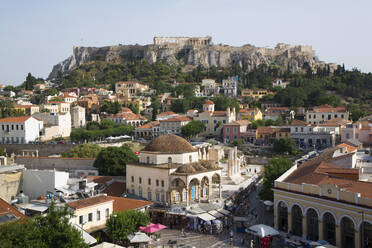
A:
(227, 129)
(157, 182)
(17, 126)
(132, 178)
(81, 218)
(157, 197)
(296, 129)
(98, 215)
(12, 127)
(107, 213)
(329, 117)
(149, 196)
(162, 183)
(149, 181)
(342, 116)
(21, 127)
(140, 192)
(309, 116)
(162, 198)
(235, 130)
(90, 217)
(139, 180)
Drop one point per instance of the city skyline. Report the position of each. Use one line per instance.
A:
(37, 35)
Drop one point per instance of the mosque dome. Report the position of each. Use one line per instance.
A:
(169, 143)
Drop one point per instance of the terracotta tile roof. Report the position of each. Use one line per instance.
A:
(128, 116)
(149, 125)
(83, 203)
(17, 119)
(265, 130)
(349, 148)
(219, 113)
(126, 110)
(115, 189)
(99, 179)
(328, 109)
(124, 204)
(277, 108)
(299, 123)
(177, 119)
(191, 110)
(208, 102)
(6, 208)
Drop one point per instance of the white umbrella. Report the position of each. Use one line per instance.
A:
(139, 237)
(263, 230)
(326, 246)
(268, 203)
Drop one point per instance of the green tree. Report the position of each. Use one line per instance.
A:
(92, 125)
(111, 161)
(110, 107)
(276, 167)
(122, 224)
(107, 124)
(192, 128)
(85, 151)
(155, 105)
(52, 230)
(285, 146)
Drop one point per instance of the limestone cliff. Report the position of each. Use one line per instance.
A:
(283, 55)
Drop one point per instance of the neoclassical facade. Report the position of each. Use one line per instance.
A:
(320, 201)
(172, 171)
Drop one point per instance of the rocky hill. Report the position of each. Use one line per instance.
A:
(284, 56)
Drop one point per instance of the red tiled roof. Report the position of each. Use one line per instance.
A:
(208, 102)
(126, 82)
(219, 113)
(349, 148)
(6, 208)
(239, 123)
(115, 189)
(83, 203)
(17, 119)
(299, 123)
(99, 179)
(149, 125)
(328, 109)
(124, 204)
(177, 119)
(128, 116)
(265, 130)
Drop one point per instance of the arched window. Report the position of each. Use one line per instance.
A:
(329, 228)
(169, 159)
(348, 233)
(366, 234)
(282, 217)
(297, 220)
(312, 224)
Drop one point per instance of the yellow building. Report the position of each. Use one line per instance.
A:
(255, 94)
(214, 120)
(250, 114)
(320, 200)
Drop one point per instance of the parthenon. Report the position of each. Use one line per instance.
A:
(183, 40)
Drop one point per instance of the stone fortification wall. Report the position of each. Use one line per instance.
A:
(61, 164)
(44, 150)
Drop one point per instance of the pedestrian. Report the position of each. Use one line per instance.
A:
(252, 244)
(231, 237)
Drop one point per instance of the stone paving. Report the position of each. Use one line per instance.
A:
(197, 240)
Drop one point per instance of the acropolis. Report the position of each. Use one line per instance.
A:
(191, 41)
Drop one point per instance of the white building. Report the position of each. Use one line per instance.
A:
(230, 86)
(325, 113)
(63, 121)
(279, 83)
(173, 125)
(39, 182)
(20, 130)
(78, 116)
(56, 107)
(91, 213)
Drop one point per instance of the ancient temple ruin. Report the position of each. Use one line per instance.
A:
(183, 41)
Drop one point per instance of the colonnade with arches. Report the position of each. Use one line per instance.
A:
(345, 229)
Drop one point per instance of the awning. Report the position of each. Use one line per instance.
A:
(216, 214)
(206, 217)
(34, 207)
(224, 211)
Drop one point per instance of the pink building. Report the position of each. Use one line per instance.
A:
(357, 131)
(238, 130)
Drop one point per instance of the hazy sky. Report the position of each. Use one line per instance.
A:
(35, 34)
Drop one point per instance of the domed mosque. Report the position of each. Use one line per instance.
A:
(170, 171)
